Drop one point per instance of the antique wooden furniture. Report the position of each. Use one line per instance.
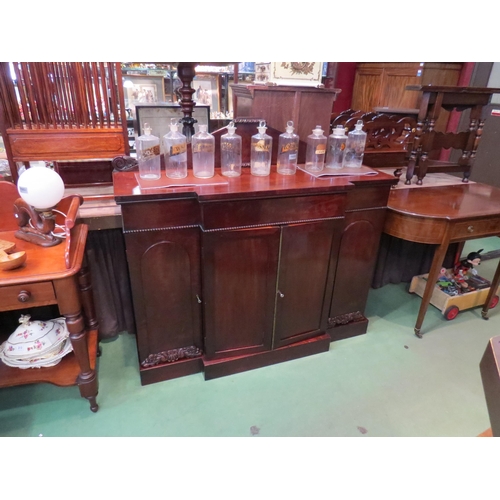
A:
(389, 137)
(440, 216)
(428, 144)
(305, 106)
(383, 84)
(250, 272)
(489, 368)
(52, 275)
(62, 111)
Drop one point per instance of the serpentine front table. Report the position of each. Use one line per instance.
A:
(442, 215)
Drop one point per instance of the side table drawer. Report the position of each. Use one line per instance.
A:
(483, 227)
(29, 295)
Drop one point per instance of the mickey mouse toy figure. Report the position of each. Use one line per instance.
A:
(465, 268)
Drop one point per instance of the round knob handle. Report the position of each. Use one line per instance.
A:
(470, 229)
(281, 294)
(24, 296)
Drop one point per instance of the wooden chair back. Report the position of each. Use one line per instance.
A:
(57, 111)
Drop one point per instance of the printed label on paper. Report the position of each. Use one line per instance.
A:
(203, 148)
(289, 148)
(230, 148)
(261, 146)
(150, 152)
(178, 149)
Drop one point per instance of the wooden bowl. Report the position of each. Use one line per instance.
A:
(11, 261)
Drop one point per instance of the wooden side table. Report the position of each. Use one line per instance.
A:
(55, 275)
(440, 216)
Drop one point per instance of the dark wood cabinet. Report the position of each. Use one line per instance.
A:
(231, 277)
(163, 255)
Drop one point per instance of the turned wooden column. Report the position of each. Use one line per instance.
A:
(69, 305)
(186, 73)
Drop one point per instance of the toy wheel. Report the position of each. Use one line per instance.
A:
(451, 312)
(494, 301)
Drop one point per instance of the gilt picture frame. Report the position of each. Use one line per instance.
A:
(308, 74)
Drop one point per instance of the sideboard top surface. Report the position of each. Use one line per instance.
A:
(127, 188)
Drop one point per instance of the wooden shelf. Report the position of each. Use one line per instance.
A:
(64, 374)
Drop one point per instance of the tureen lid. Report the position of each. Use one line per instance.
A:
(33, 338)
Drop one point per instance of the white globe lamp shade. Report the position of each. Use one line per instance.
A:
(42, 187)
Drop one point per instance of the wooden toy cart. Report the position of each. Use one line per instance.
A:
(451, 305)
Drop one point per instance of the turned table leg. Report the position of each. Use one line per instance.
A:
(437, 262)
(70, 307)
(86, 294)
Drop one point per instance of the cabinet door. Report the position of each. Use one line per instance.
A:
(303, 296)
(239, 287)
(357, 257)
(165, 276)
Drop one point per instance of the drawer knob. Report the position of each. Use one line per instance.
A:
(282, 295)
(470, 229)
(24, 296)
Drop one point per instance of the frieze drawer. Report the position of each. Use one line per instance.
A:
(248, 213)
(30, 295)
(471, 229)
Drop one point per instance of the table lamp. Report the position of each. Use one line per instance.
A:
(41, 189)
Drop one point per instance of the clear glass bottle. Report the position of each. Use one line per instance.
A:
(230, 152)
(148, 154)
(335, 148)
(316, 149)
(203, 148)
(175, 151)
(288, 151)
(355, 147)
(260, 151)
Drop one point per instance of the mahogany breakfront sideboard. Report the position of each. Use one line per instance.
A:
(231, 277)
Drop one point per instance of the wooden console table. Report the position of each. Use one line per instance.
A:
(55, 275)
(440, 216)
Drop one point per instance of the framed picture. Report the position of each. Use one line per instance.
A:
(158, 117)
(140, 90)
(306, 74)
(207, 91)
(262, 72)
